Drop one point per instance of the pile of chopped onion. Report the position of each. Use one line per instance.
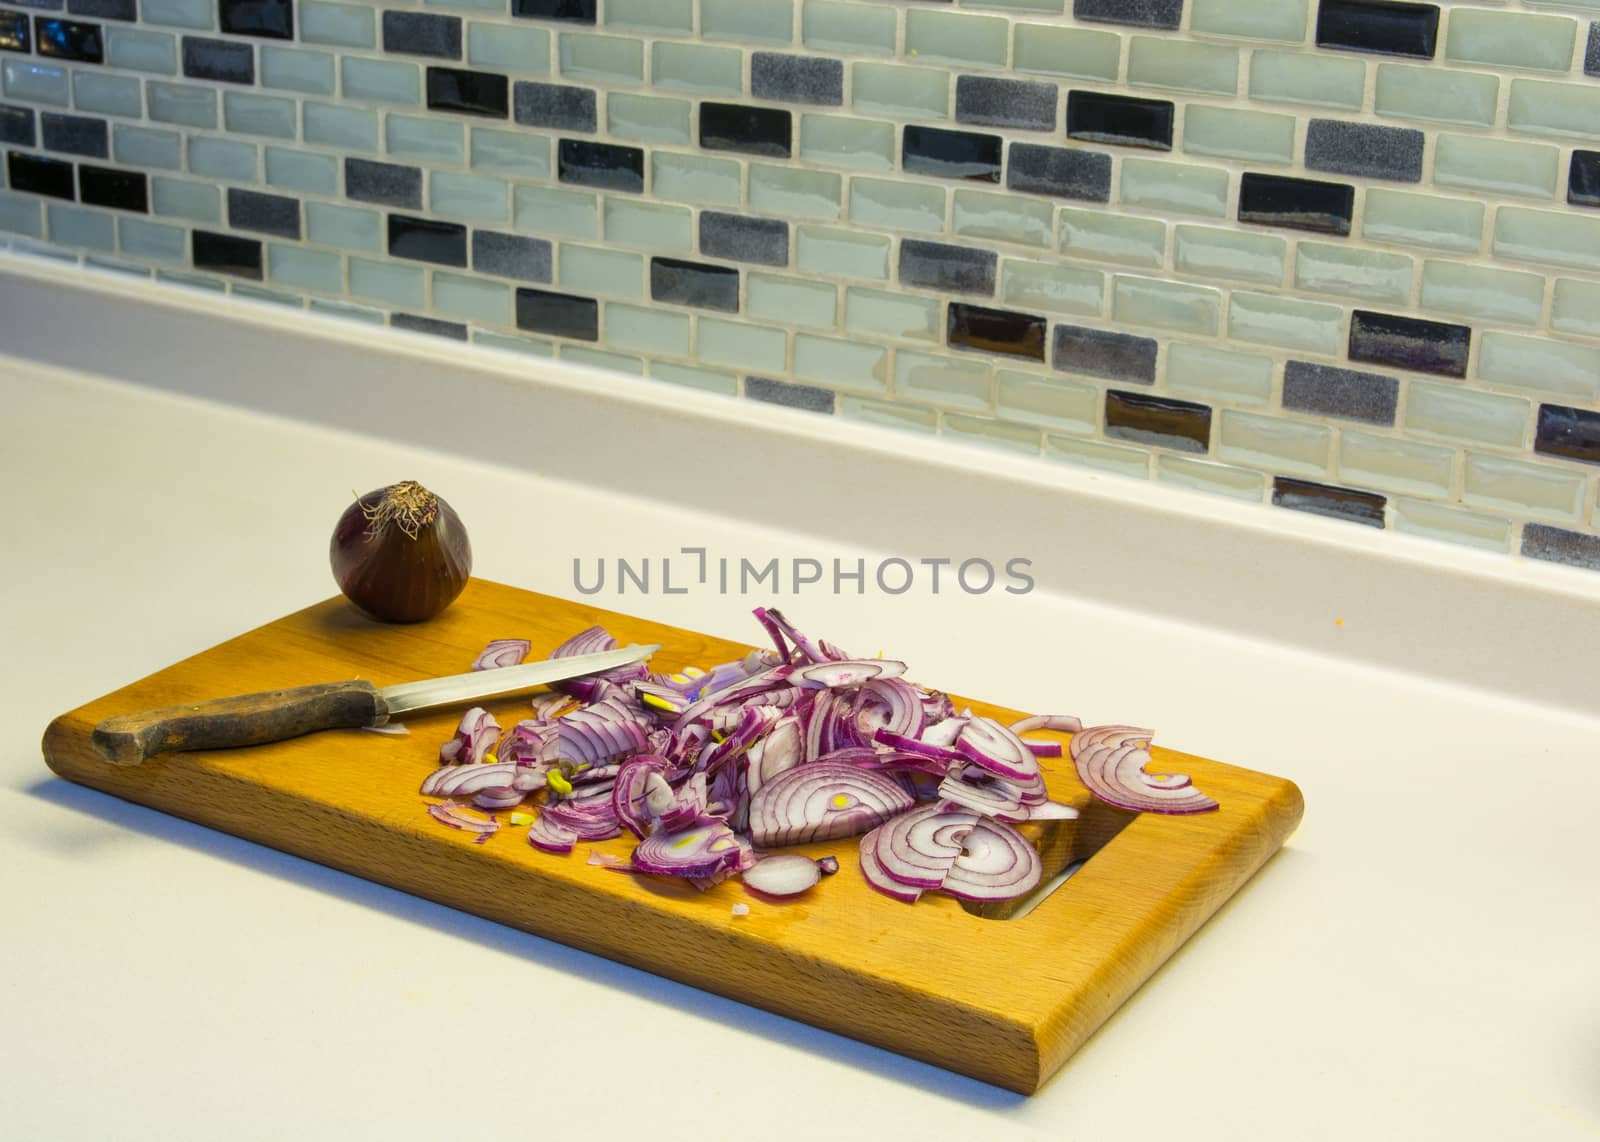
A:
(710, 770)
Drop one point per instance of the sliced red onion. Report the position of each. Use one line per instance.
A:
(458, 818)
(944, 733)
(475, 736)
(887, 704)
(998, 750)
(532, 742)
(552, 704)
(502, 652)
(771, 617)
(918, 848)
(996, 863)
(586, 820)
(699, 851)
(847, 672)
(1055, 723)
(545, 834)
(917, 746)
(828, 865)
(821, 801)
(593, 641)
(1052, 811)
(995, 798)
(787, 874)
(467, 780)
(775, 753)
(1111, 762)
(1043, 749)
(877, 876)
(688, 807)
(502, 797)
(628, 792)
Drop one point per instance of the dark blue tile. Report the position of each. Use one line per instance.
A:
(575, 11)
(1120, 119)
(752, 130)
(104, 9)
(1296, 203)
(116, 189)
(1001, 331)
(1409, 343)
(1583, 179)
(223, 60)
(273, 214)
(272, 19)
(1570, 432)
(469, 92)
(69, 39)
(604, 166)
(227, 254)
(951, 154)
(16, 125)
(34, 174)
(1382, 28)
(14, 34)
(558, 314)
(1181, 425)
(693, 283)
(74, 135)
(425, 240)
(1327, 500)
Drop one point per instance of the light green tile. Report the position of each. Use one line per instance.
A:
(1055, 6)
(1283, 21)
(496, 7)
(1211, 252)
(1478, 291)
(1051, 401)
(618, 59)
(391, 283)
(38, 83)
(1110, 237)
(889, 414)
(795, 192)
(348, 128)
(648, 118)
(469, 197)
(1182, 188)
(555, 213)
(183, 198)
(225, 159)
(1453, 413)
(1510, 39)
(520, 154)
(881, 202)
(381, 81)
(648, 225)
(347, 227)
(248, 114)
(890, 89)
(697, 67)
(1562, 109)
(1285, 322)
(192, 281)
(647, 330)
(841, 253)
(1051, 288)
(1408, 219)
(75, 226)
(1272, 442)
(1435, 521)
(178, 13)
(1544, 236)
(1477, 163)
(107, 94)
(156, 241)
(592, 269)
(1538, 364)
(464, 298)
(600, 359)
(1003, 217)
(1394, 464)
(1096, 454)
(527, 346)
(342, 25)
(1575, 307)
(1326, 80)
(174, 103)
(347, 311)
(1022, 439)
(304, 268)
(829, 26)
(430, 139)
(1217, 479)
(867, 144)
(1169, 305)
(516, 49)
(1229, 132)
(957, 37)
(960, 383)
(750, 348)
(651, 15)
(294, 70)
(841, 364)
(139, 49)
(304, 171)
(769, 297)
(879, 313)
(1437, 95)
(1211, 373)
(764, 21)
(116, 266)
(1541, 490)
(147, 147)
(706, 380)
(700, 179)
(1082, 53)
(1366, 275)
(1183, 65)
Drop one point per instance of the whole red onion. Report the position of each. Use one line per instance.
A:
(400, 553)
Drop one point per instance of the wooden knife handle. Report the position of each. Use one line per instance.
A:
(249, 719)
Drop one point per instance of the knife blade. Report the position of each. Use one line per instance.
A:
(276, 715)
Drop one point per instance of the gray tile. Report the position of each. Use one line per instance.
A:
(935, 265)
(387, 184)
(797, 79)
(1102, 353)
(1060, 172)
(422, 34)
(453, 330)
(555, 105)
(1591, 56)
(1141, 13)
(992, 102)
(807, 397)
(1558, 545)
(1345, 393)
(740, 239)
(511, 256)
(266, 213)
(74, 135)
(1362, 149)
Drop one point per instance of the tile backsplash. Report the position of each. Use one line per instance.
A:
(1341, 256)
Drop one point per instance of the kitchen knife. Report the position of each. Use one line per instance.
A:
(254, 719)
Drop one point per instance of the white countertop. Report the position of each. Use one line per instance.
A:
(1416, 962)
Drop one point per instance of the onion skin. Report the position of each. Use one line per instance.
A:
(400, 554)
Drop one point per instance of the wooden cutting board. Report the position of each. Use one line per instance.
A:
(1005, 1001)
